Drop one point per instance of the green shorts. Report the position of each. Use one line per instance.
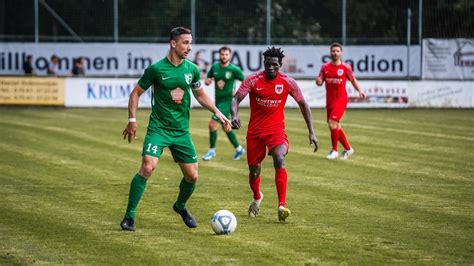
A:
(180, 144)
(224, 107)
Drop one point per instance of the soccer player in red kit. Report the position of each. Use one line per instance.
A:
(335, 73)
(268, 91)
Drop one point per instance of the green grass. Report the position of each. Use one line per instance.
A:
(405, 197)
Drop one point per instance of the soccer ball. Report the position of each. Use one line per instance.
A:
(223, 222)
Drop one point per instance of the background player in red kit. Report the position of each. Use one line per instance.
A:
(268, 92)
(335, 73)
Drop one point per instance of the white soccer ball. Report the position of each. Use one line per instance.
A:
(223, 222)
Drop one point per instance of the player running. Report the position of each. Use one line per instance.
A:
(224, 74)
(335, 73)
(268, 92)
(173, 77)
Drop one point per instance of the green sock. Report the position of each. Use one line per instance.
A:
(233, 138)
(137, 187)
(185, 191)
(213, 138)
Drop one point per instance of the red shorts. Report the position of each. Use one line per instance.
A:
(257, 145)
(335, 113)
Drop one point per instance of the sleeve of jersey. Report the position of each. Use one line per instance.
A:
(295, 90)
(350, 74)
(239, 74)
(210, 74)
(247, 85)
(146, 80)
(196, 83)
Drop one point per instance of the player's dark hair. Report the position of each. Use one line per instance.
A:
(335, 44)
(274, 52)
(178, 31)
(225, 48)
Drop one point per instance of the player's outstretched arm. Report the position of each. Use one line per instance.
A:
(130, 131)
(357, 87)
(234, 110)
(204, 100)
(308, 118)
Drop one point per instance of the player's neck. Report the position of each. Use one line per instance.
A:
(337, 62)
(174, 58)
(224, 64)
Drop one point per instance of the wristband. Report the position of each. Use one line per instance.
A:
(133, 119)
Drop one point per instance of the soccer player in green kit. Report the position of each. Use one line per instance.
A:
(173, 77)
(224, 74)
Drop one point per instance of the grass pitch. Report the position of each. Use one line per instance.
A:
(405, 196)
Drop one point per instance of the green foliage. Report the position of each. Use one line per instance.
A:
(240, 22)
(405, 197)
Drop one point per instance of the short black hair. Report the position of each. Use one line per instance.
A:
(225, 48)
(178, 31)
(274, 52)
(335, 44)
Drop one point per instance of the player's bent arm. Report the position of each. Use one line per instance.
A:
(204, 100)
(234, 110)
(308, 118)
(133, 101)
(130, 132)
(208, 81)
(356, 85)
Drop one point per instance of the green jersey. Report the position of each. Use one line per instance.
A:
(171, 99)
(224, 79)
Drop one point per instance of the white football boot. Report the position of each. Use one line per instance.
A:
(347, 153)
(332, 155)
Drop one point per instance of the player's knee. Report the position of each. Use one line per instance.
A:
(146, 170)
(254, 172)
(212, 125)
(192, 177)
(332, 125)
(279, 161)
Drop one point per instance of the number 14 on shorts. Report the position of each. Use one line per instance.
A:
(152, 148)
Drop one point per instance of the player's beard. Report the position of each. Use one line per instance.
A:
(335, 57)
(225, 62)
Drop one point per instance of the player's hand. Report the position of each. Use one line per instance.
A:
(319, 81)
(225, 120)
(208, 81)
(236, 124)
(130, 132)
(313, 141)
(362, 94)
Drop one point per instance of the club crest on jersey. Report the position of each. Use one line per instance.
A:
(188, 77)
(340, 72)
(177, 95)
(228, 74)
(279, 88)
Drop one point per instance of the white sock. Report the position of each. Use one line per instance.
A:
(239, 148)
(212, 150)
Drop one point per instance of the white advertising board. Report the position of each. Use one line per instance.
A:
(130, 59)
(448, 59)
(109, 92)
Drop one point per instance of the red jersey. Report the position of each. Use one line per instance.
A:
(335, 77)
(267, 101)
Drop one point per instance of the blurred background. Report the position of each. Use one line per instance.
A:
(298, 22)
(407, 53)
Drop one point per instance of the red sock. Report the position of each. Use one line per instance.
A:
(281, 179)
(343, 140)
(255, 186)
(334, 138)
